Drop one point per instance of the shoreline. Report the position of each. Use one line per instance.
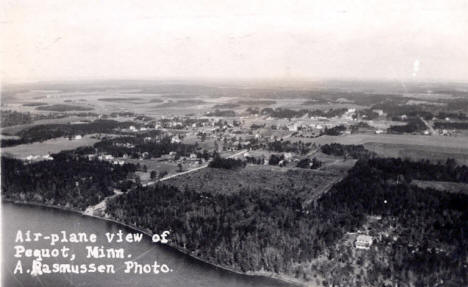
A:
(265, 274)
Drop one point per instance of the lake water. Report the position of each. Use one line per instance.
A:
(187, 271)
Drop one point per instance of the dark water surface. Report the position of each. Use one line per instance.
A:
(187, 271)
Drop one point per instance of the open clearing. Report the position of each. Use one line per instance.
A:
(306, 183)
(447, 186)
(410, 146)
(49, 146)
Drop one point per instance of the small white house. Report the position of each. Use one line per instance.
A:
(175, 140)
(363, 241)
(288, 156)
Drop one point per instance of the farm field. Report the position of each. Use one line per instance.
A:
(49, 146)
(17, 128)
(410, 146)
(417, 152)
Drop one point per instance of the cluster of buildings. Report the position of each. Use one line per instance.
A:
(32, 158)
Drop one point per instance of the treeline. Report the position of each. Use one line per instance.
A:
(287, 146)
(67, 180)
(12, 118)
(367, 114)
(412, 125)
(64, 108)
(395, 110)
(221, 113)
(226, 163)
(41, 133)
(457, 116)
(284, 113)
(352, 151)
(334, 131)
(451, 125)
(423, 170)
(307, 163)
(136, 147)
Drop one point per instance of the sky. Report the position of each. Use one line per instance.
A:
(46, 40)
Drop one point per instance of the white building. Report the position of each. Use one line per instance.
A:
(288, 156)
(363, 241)
(175, 140)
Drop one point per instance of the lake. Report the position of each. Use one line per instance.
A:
(187, 271)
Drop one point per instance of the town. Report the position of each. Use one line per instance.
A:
(337, 180)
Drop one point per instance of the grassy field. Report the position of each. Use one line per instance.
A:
(46, 147)
(417, 152)
(15, 129)
(453, 187)
(410, 146)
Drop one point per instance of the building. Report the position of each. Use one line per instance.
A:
(288, 156)
(379, 112)
(363, 241)
(175, 140)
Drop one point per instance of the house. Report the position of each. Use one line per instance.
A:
(172, 155)
(293, 128)
(32, 157)
(288, 156)
(175, 140)
(379, 112)
(363, 241)
(47, 157)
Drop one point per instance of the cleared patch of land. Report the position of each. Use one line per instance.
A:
(49, 146)
(302, 182)
(13, 130)
(416, 152)
(453, 187)
(410, 146)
